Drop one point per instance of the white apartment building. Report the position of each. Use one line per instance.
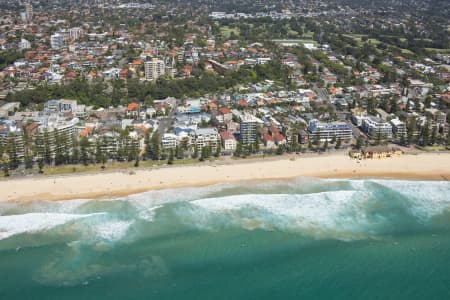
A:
(248, 129)
(56, 127)
(13, 135)
(169, 141)
(398, 128)
(75, 33)
(327, 131)
(154, 69)
(228, 141)
(204, 137)
(24, 44)
(56, 41)
(29, 10)
(374, 126)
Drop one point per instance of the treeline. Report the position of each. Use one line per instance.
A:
(104, 94)
(264, 29)
(57, 148)
(8, 57)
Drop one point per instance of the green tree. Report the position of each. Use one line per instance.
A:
(393, 105)
(179, 152)
(41, 166)
(84, 150)
(257, 142)
(371, 105)
(434, 132)
(170, 159)
(12, 151)
(280, 150)
(412, 127)
(218, 150)
(403, 140)
(195, 153)
(325, 145)
(405, 83)
(137, 160)
(238, 151)
(47, 147)
(155, 151)
(59, 154)
(28, 152)
(317, 137)
(427, 101)
(100, 156)
(359, 143)
(426, 134)
(203, 154)
(379, 137)
(75, 157)
(338, 144)
(147, 146)
(132, 149)
(5, 162)
(294, 140)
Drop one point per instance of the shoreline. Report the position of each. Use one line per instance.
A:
(122, 183)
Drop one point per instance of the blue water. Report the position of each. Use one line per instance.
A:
(296, 239)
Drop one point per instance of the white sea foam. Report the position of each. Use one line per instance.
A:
(90, 227)
(147, 203)
(59, 207)
(322, 207)
(175, 195)
(112, 230)
(425, 198)
(328, 214)
(34, 222)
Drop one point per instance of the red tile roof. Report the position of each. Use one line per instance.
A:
(224, 110)
(86, 131)
(133, 106)
(226, 135)
(278, 137)
(267, 137)
(243, 103)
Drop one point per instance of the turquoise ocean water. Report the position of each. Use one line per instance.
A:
(296, 239)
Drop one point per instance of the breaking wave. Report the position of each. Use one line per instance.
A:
(84, 233)
(336, 209)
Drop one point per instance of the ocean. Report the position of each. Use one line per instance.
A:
(292, 239)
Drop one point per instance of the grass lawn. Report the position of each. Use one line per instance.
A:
(226, 31)
(308, 35)
(407, 51)
(401, 39)
(358, 38)
(374, 41)
(75, 169)
(292, 32)
(433, 148)
(443, 51)
(353, 35)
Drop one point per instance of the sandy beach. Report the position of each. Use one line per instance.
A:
(429, 166)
